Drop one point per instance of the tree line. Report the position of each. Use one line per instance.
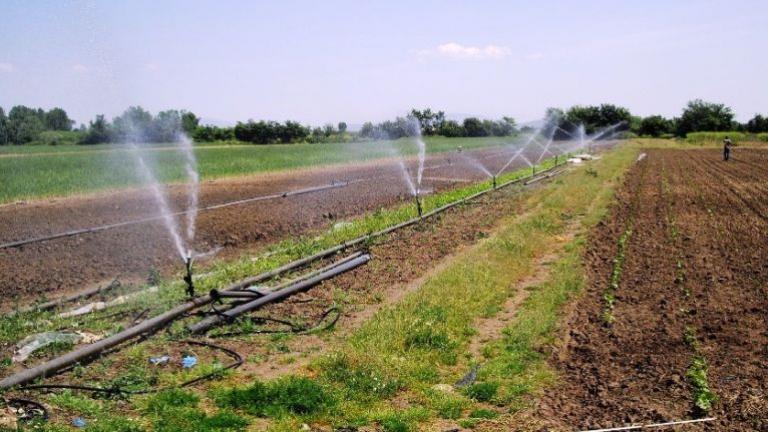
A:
(24, 125)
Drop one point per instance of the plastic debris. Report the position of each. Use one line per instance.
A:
(160, 360)
(188, 361)
(32, 343)
(79, 422)
(341, 225)
(96, 306)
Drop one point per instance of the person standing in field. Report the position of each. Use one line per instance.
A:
(727, 144)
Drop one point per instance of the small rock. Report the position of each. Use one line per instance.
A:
(444, 388)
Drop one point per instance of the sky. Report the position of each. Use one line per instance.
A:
(328, 61)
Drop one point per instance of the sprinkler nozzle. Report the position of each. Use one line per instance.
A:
(188, 276)
(494, 182)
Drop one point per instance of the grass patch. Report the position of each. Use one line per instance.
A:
(482, 392)
(287, 395)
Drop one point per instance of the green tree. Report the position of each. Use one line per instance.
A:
(757, 124)
(25, 124)
(58, 120)
(135, 124)
(654, 126)
(98, 131)
(367, 130)
(5, 133)
(511, 122)
(595, 117)
(189, 122)
(474, 127)
(342, 128)
(452, 129)
(699, 115)
(429, 121)
(166, 127)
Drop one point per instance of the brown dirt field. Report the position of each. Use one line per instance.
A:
(129, 252)
(697, 260)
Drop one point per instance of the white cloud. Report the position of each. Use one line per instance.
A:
(455, 51)
(6, 67)
(151, 67)
(79, 68)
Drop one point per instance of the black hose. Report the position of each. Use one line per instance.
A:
(293, 327)
(237, 361)
(26, 403)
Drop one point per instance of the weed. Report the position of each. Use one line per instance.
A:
(286, 395)
(363, 379)
(173, 398)
(482, 392)
(483, 413)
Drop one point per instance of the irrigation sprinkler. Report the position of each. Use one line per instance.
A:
(494, 182)
(418, 204)
(188, 276)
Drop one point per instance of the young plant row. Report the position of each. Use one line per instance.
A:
(702, 395)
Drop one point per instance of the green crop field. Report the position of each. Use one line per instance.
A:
(28, 172)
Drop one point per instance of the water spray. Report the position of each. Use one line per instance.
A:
(188, 276)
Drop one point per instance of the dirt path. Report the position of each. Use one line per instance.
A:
(130, 251)
(693, 283)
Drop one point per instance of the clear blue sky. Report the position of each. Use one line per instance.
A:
(327, 61)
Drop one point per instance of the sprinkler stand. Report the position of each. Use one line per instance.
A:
(494, 182)
(533, 170)
(418, 204)
(188, 277)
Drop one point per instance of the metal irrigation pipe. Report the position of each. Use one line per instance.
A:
(228, 316)
(256, 293)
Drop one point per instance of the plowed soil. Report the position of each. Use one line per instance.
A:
(129, 252)
(696, 264)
